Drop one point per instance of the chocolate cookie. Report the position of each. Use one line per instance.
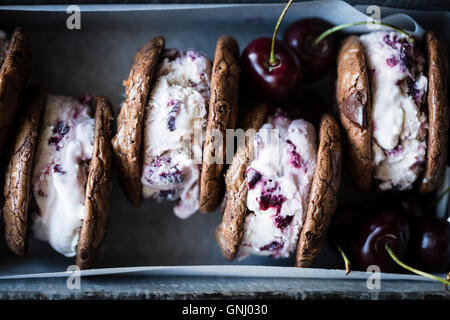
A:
(322, 199)
(127, 143)
(98, 187)
(13, 75)
(437, 114)
(323, 195)
(18, 175)
(223, 107)
(229, 233)
(353, 99)
(222, 115)
(17, 190)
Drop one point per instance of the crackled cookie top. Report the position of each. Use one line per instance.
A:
(279, 181)
(398, 88)
(176, 119)
(60, 172)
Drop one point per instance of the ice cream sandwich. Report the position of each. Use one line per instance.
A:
(281, 187)
(392, 98)
(58, 179)
(176, 103)
(15, 60)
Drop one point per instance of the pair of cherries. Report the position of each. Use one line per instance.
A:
(275, 69)
(409, 231)
(279, 77)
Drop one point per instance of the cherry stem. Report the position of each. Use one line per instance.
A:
(273, 61)
(346, 260)
(347, 25)
(439, 198)
(421, 273)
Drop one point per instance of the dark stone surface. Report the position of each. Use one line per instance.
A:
(188, 288)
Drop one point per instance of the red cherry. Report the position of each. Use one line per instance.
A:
(317, 60)
(346, 220)
(430, 245)
(274, 82)
(377, 230)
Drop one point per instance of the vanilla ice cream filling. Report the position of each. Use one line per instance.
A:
(60, 172)
(174, 127)
(398, 89)
(279, 182)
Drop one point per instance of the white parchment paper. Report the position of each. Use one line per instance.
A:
(225, 271)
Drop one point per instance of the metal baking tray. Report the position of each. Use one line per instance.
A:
(181, 257)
